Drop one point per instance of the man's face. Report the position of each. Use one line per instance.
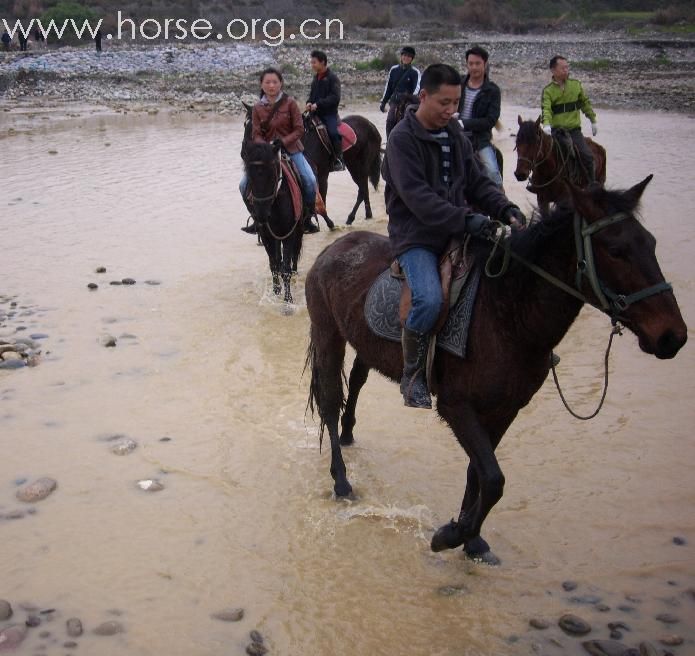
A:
(562, 70)
(476, 66)
(317, 66)
(438, 108)
(406, 60)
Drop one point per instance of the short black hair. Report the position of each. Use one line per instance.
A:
(270, 71)
(436, 75)
(320, 55)
(408, 50)
(555, 60)
(480, 52)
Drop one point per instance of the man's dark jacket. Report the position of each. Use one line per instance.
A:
(486, 112)
(402, 79)
(423, 211)
(325, 93)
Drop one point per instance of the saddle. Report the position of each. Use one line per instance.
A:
(346, 132)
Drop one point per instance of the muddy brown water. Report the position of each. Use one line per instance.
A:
(247, 518)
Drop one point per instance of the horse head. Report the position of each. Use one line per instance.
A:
(262, 165)
(404, 101)
(529, 144)
(627, 281)
(247, 128)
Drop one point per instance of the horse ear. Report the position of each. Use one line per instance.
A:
(248, 108)
(583, 202)
(634, 194)
(518, 118)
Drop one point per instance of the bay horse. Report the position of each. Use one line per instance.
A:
(279, 230)
(541, 158)
(363, 160)
(408, 99)
(518, 319)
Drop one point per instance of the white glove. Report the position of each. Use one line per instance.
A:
(594, 129)
(547, 129)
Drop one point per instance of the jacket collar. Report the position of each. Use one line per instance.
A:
(417, 129)
(264, 99)
(484, 85)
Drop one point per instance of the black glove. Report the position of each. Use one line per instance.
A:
(513, 212)
(382, 107)
(479, 225)
(277, 144)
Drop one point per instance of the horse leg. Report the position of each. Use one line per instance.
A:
(327, 354)
(367, 204)
(485, 481)
(360, 198)
(358, 377)
(271, 248)
(286, 268)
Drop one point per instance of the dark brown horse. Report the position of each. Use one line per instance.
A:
(363, 160)
(541, 157)
(517, 321)
(278, 229)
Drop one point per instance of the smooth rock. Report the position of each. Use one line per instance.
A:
(621, 626)
(5, 610)
(568, 586)
(602, 608)
(124, 447)
(74, 626)
(604, 647)
(586, 599)
(680, 541)
(573, 625)
(100, 269)
(92, 285)
(256, 649)
(70, 644)
(229, 614)
(37, 490)
(33, 621)
(11, 355)
(38, 336)
(109, 628)
(256, 637)
(14, 514)
(115, 282)
(537, 623)
(616, 635)
(128, 281)
(12, 364)
(667, 618)
(452, 590)
(153, 282)
(108, 341)
(150, 485)
(647, 649)
(671, 640)
(12, 636)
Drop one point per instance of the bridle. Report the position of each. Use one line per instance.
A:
(277, 181)
(533, 163)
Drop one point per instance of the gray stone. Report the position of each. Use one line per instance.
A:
(5, 610)
(153, 282)
(256, 649)
(109, 628)
(124, 447)
(647, 649)
(12, 636)
(574, 625)
(37, 490)
(100, 269)
(38, 336)
(74, 626)
(586, 599)
(256, 637)
(108, 341)
(92, 285)
(12, 364)
(604, 647)
(70, 644)
(33, 621)
(128, 281)
(229, 614)
(537, 623)
(11, 355)
(671, 640)
(150, 485)
(667, 618)
(568, 586)
(680, 541)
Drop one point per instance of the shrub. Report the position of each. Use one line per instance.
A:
(65, 11)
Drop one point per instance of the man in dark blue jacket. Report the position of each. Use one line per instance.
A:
(432, 180)
(479, 109)
(324, 98)
(403, 78)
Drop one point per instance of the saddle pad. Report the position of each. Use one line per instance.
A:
(383, 301)
(348, 135)
(295, 188)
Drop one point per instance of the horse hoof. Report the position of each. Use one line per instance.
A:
(342, 489)
(446, 537)
(350, 220)
(369, 216)
(346, 439)
(487, 558)
(478, 550)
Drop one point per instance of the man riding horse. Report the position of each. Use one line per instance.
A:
(403, 79)
(432, 180)
(561, 102)
(324, 98)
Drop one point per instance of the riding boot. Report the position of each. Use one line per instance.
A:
(250, 226)
(414, 381)
(338, 162)
(308, 225)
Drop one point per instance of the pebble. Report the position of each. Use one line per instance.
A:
(74, 626)
(37, 490)
(626, 609)
(11, 636)
(124, 447)
(70, 644)
(109, 628)
(92, 285)
(115, 282)
(618, 625)
(128, 281)
(12, 364)
(108, 341)
(602, 608)
(14, 514)
(667, 618)
(647, 649)
(604, 647)
(256, 649)
(45, 634)
(573, 625)
(165, 439)
(452, 590)
(537, 623)
(38, 336)
(586, 599)
(5, 610)
(680, 541)
(671, 640)
(616, 635)
(229, 614)
(153, 282)
(150, 485)
(33, 620)
(100, 269)
(568, 586)
(256, 637)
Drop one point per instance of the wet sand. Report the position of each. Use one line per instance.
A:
(247, 517)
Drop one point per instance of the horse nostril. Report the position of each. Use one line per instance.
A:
(519, 176)
(669, 344)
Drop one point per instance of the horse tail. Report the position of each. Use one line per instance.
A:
(375, 165)
(314, 386)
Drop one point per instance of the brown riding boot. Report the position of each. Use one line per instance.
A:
(414, 380)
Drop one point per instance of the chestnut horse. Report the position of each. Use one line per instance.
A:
(518, 320)
(541, 159)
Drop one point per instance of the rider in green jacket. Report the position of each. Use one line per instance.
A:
(561, 102)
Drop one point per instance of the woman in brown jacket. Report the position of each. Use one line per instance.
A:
(276, 118)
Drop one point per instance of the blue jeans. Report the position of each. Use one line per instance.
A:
(306, 177)
(487, 156)
(421, 268)
(331, 123)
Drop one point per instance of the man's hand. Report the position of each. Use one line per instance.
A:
(515, 217)
(594, 129)
(547, 129)
(382, 107)
(277, 143)
(479, 225)
(312, 107)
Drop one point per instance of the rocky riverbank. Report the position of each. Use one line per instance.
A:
(653, 72)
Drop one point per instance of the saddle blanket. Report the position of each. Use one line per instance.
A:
(381, 310)
(348, 135)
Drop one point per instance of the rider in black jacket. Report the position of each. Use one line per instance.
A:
(403, 78)
(324, 99)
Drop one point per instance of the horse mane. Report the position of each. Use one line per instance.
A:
(259, 152)
(527, 133)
